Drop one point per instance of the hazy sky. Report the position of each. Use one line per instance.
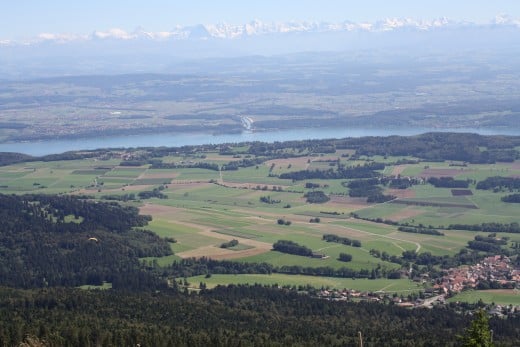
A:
(26, 18)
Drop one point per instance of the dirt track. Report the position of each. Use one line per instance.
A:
(212, 251)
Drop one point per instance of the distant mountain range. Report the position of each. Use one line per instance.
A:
(259, 28)
(196, 49)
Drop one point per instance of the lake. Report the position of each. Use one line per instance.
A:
(38, 148)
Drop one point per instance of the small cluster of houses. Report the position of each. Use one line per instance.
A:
(378, 296)
(497, 269)
(130, 155)
(349, 294)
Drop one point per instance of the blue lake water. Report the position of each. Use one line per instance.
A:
(38, 148)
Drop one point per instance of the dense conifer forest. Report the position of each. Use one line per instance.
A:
(67, 241)
(232, 316)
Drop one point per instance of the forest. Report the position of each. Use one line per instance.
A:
(226, 316)
(66, 241)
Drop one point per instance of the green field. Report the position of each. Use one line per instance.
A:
(205, 208)
(125, 172)
(449, 209)
(151, 181)
(499, 297)
(390, 286)
(90, 172)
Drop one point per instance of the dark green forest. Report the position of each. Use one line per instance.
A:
(67, 241)
(225, 316)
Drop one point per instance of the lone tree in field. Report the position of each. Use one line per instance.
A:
(478, 334)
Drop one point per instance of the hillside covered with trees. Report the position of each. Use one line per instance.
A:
(67, 241)
(225, 316)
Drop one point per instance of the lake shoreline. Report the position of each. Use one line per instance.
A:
(176, 139)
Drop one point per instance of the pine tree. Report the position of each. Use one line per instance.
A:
(478, 334)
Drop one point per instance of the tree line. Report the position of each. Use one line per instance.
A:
(204, 266)
(492, 227)
(419, 230)
(438, 146)
(448, 182)
(512, 198)
(499, 182)
(361, 171)
(291, 247)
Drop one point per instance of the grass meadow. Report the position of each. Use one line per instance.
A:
(497, 296)
(402, 286)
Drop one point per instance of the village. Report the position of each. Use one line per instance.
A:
(494, 272)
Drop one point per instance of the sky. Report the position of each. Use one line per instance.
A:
(28, 18)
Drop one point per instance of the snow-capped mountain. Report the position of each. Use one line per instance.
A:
(258, 28)
(504, 19)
